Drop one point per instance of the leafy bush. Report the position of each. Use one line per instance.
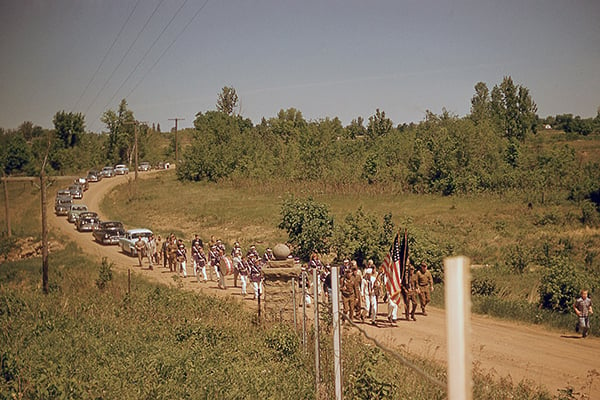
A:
(518, 258)
(283, 340)
(560, 285)
(361, 237)
(483, 287)
(308, 224)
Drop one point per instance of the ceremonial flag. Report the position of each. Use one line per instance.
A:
(394, 266)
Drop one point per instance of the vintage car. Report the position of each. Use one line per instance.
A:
(144, 166)
(87, 222)
(109, 232)
(108, 172)
(62, 205)
(75, 211)
(127, 242)
(64, 193)
(94, 176)
(76, 191)
(121, 169)
(83, 182)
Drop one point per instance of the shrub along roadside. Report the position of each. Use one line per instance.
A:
(82, 342)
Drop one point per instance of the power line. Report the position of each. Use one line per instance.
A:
(106, 55)
(168, 47)
(124, 56)
(145, 54)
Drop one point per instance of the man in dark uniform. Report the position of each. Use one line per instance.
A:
(348, 290)
(424, 286)
(409, 292)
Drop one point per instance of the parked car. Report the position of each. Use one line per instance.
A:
(144, 166)
(87, 222)
(75, 211)
(83, 182)
(163, 165)
(63, 193)
(62, 205)
(127, 242)
(94, 176)
(109, 232)
(76, 191)
(108, 172)
(121, 169)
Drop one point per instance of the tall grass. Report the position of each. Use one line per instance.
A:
(158, 342)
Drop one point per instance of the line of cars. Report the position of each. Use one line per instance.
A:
(85, 220)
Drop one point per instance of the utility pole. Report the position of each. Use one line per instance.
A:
(176, 144)
(6, 204)
(136, 153)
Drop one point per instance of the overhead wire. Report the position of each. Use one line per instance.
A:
(168, 47)
(145, 54)
(105, 56)
(124, 56)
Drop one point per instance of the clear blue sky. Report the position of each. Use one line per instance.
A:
(325, 58)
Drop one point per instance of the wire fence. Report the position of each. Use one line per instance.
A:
(277, 308)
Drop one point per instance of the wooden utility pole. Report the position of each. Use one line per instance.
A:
(44, 221)
(176, 143)
(6, 204)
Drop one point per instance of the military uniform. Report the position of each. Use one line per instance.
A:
(409, 293)
(348, 290)
(424, 287)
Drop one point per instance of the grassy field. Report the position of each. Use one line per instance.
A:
(82, 341)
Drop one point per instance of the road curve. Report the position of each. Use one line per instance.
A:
(553, 359)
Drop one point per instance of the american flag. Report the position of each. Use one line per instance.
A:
(394, 266)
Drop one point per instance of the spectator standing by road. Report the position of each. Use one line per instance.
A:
(583, 309)
(151, 250)
(140, 248)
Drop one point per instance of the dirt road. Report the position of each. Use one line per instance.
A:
(551, 359)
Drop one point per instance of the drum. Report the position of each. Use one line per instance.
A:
(226, 266)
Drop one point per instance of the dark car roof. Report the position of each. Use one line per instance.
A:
(111, 225)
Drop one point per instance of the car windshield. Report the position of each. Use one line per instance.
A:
(78, 208)
(143, 235)
(89, 220)
(112, 225)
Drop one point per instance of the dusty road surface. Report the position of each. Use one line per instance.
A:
(553, 359)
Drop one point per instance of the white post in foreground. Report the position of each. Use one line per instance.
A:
(457, 280)
(337, 337)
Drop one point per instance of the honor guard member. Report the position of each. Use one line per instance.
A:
(201, 263)
(197, 239)
(424, 286)
(256, 276)
(348, 290)
(252, 252)
(182, 260)
(172, 253)
(140, 248)
(357, 279)
(196, 257)
(243, 270)
(409, 292)
(315, 262)
(215, 260)
(220, 245)
(236, 257)
(268, 256)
